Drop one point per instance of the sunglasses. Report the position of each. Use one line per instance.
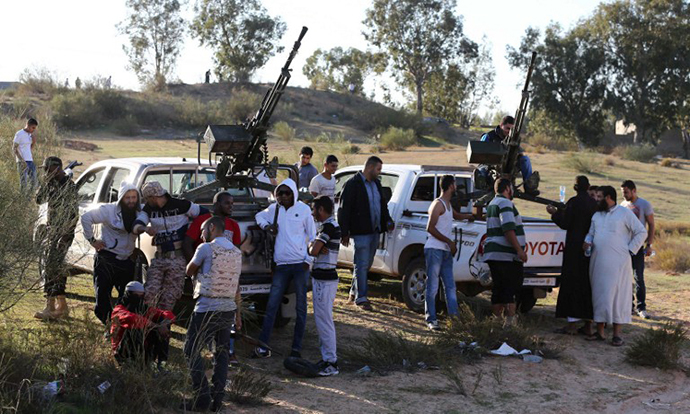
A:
(284, 193)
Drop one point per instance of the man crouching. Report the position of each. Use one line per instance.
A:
(215, 269)
(139, 333)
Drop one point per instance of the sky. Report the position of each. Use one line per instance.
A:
(78, 38)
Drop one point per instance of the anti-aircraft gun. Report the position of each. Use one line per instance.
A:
(500, 159)
(242, 149)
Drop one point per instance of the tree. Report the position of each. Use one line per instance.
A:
(569, 81)
(242, 34)
(419, 37)
(480, 84)
(155, 30)
(337, 69)
(445, 91)
(647, 46)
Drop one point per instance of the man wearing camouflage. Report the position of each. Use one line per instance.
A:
(169, 218)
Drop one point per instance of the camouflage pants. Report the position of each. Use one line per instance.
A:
(165, 282)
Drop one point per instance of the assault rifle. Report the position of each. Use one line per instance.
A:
(242, 149)
(501, 159)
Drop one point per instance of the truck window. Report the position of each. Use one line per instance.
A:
(162, 176)
(88, 185)
(424, 189)
(388, 182)
(112, 185)
(340, 181)
(176, 182)
(207, 175)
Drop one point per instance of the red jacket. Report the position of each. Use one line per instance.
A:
(122, 319)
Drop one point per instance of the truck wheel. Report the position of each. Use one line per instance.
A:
(525, 300)
(414, 284)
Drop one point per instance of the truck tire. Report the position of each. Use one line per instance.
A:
(525, 300)
(414, 284)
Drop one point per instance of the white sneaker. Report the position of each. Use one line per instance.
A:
(433, 326)
(329, 369)
(643, 314)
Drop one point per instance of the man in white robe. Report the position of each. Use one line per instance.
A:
(614, 235)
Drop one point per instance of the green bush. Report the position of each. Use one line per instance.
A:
(639, 153)
(38, 81)
(350, 148)
(126, 126)
(242, 105)
(380, 118)
(284, 131)
(89, 108)
(659, 348)
(585, 164)
(554, 143)
(397, 139)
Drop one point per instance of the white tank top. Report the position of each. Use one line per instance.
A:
(444, 225)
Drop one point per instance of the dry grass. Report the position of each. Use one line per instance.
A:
(544, 141)
(585, 164)
(640, 153)
(659, 348)
(388, 351)
(672, 252)
(248, 388)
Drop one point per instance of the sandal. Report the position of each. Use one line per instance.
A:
(595, 337)
(617, 341)
(564, 331)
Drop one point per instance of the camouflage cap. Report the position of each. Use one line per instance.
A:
(50, 161)
(153, 189)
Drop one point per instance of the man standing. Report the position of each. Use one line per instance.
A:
(324, 183)
(215, 268)
(24, 141)
(306, 171)
(121, 223)
(504, 250)
(63, 212)
(439, 250)
(291, 222)
(169, 218)
(614, 235)
(222, 207)
(575, 294)
(592, 192)
(644, 211)
(500, 133)
(363, 215)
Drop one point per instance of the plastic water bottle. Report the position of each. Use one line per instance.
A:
(561, 195)
(588, 251)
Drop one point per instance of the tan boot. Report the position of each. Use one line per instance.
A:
(48, 312)
(61, 308)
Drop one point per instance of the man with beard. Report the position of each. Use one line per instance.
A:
(137, 332)
(60, 193)
(121, 223)
(614, 235)
(504, 250)
(645, 213)
(575, 294)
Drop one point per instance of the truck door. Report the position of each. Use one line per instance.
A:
(90, 187)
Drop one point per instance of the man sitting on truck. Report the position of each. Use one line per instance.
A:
(504, 250)
(498, 134)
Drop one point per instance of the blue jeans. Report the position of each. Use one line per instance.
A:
(204, 327)
(27, 174)
(525, 165)
(439, 265)
(282, 276)
(365, 249)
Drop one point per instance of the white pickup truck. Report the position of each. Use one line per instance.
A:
(410, 190)
(100, 184)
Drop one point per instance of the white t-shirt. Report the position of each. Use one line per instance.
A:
(323, 186)
(23, 140)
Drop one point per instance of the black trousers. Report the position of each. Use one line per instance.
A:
(109, 272)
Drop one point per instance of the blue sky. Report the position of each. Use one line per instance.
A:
(78, 37)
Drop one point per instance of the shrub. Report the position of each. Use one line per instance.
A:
(89, 108)
(669, 227)
(610, 161)
(639, 153)
(284, 131)
(379, 118)
(669, 163)
(392, 351)
(659, 348)
(248, 388)
(242, 105)
(585, 164)
(350, 148)
(672, 253)
(38, 81)
(554, 143)
(396, 139)
(126, 126)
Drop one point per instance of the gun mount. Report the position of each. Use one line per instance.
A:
(501, 158)
(240, 150)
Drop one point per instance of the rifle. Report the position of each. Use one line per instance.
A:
(241, 148)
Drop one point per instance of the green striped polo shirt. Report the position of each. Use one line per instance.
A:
(502, 216)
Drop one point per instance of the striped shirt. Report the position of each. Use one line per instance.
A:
(502, 216)
(324, 265)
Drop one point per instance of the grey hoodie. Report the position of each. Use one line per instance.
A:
(296, 228)
(117, 240)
